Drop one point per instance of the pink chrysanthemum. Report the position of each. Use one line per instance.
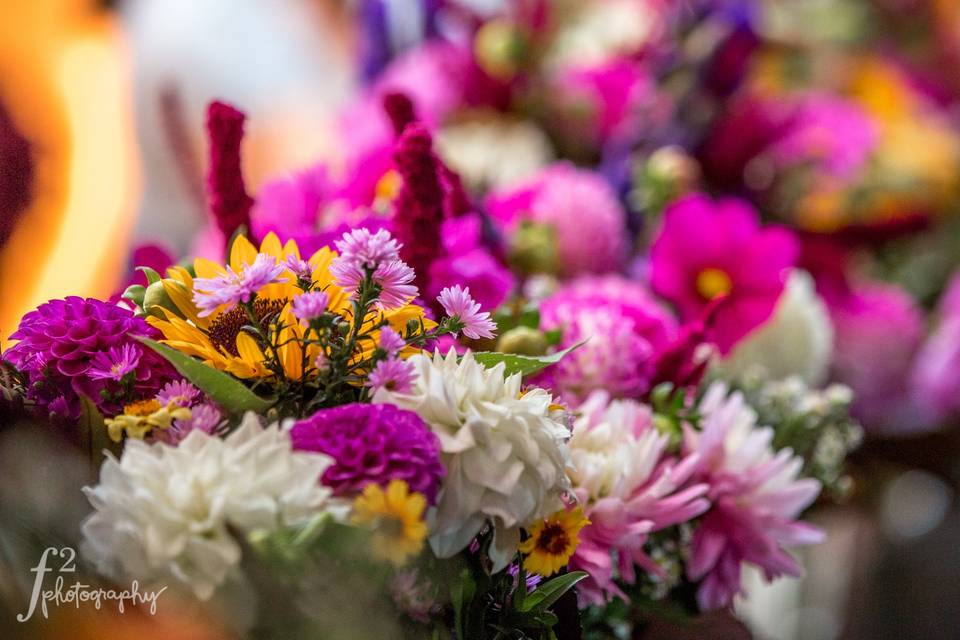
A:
(392, 374)
(179, 392)
(756, 498)
(232, 288)
(466, 314)
(394, 279)
(629, 488)
(705, 249)
(367, 250)
(309, 305)
(584, 211)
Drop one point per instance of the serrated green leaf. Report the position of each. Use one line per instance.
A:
(152, 276)
(550, 592)
(222, 388)
(524, 365)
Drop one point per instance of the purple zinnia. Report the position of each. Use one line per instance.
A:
(62, 341)
(372, 443)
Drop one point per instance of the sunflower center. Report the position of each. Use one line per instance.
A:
(713, 282)
(227, 326)
(553, 539)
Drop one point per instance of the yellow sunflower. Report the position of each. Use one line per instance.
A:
(219, 340)
(552, 541)
(396, 516)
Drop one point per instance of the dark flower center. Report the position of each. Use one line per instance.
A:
(553, 539)
(227, 326)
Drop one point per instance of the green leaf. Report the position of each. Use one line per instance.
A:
(461, 593)
(135, 293)
(524, 365)
(222, 388)
(152, 276)
(93, 430)
(550, 592)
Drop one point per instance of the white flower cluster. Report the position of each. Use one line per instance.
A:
(505, 452)
(165, 512)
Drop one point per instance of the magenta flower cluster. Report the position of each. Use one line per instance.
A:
(85, 347)
(372, 443)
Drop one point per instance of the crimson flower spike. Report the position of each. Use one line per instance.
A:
(228, 199)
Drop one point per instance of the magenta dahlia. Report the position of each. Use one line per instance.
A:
(65, 346)
(372, 443)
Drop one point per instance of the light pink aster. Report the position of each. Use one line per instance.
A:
(460, 307)
(579, 205)
(309, 305)
(392, 374)
(366, 249)
(395, 280)
(232, 287)
(629, 488)
(756, 497)
(391, 341)
(180, 392)
(705, 249)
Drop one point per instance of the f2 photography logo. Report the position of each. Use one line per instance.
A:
(62, 563)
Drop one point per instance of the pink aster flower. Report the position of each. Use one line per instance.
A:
(705, 249)
(115, 363)
(391, 341)
(204, 417)
(394, 279)
(465, 313)
(756, 498)
(232, 288)
(579, 205)
(392, 374)
(629, 487)
(367, 250)
(299, 267)
(179, 392)
(309, 306)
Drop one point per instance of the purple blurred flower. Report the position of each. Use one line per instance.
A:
(59, 343)
(204, 417)
(705, 249)
(462, 309)
(179, 392)
(372, 443)
(582, 209)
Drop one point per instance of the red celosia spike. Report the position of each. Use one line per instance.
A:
(419, 208)
(401, 111)
(227, 194)
(456, 203)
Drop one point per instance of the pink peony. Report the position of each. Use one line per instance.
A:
(582, 209)
(756, 498)
(629, 488)
(624, 328)
(705, 249)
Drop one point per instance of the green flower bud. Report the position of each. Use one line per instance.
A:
(533, 249)
(523, 341)
(155, 298)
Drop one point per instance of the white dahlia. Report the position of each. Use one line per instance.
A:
(797, 340)
(165, 512)
(505, 452)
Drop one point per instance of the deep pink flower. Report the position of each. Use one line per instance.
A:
(624, 328)
(878, 329)
(293, 206)
(579, 206)
(629, 487)
(372, 443)
(705, 249)
(60, 342)
(392, 374)
(460, 307)
(115, 363)
(756, 498)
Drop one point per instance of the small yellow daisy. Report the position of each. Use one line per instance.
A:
(396, 517)
(552, 541)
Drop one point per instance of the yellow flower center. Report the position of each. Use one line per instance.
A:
(142, 408)
(713, 282)
(388, 186)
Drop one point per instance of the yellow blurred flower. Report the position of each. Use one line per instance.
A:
(396, 516)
